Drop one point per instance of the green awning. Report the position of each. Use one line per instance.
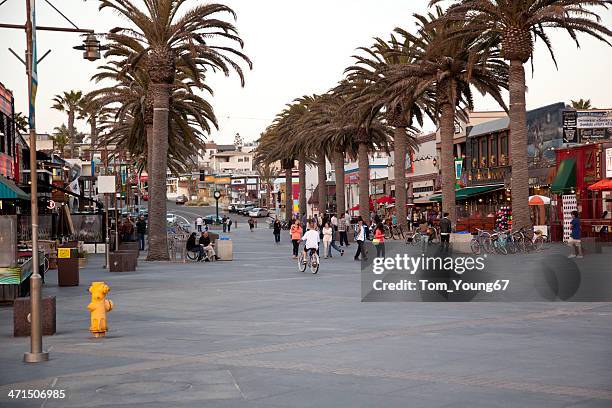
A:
(9, 190)
(464, 193)
(566, 177)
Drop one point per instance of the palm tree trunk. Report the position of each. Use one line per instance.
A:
(302, 171)
(339, 170)
(93, 134)
(399, 173)
(518, 148)
(447, 165)
(288, 195)
(364, 181)
(322, 178)
(158, 246)
(71, 132)
(149, 135)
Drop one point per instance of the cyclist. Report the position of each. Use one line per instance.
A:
(311, 238)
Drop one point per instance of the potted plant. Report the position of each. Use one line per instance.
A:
(83, 258)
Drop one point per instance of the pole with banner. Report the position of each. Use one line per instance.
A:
(36, 353)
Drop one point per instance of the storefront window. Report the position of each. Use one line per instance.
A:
(494, 152)
(484, 152)
(475, 155)
(503, 149)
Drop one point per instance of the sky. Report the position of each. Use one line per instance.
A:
(297, 48)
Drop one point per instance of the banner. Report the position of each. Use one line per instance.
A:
(33, 68)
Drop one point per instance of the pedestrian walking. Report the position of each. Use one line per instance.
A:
(379, 240)
(251, 224)
(199, 222)
(342, 227)
(296, 235)
(334, 224)
(304, 221)
(141, 230)
(424, 232)
(445, 230)
(574, 240)
(360, 239)
(276, 230)
(228, 222)
(327, 238)
(224, 223)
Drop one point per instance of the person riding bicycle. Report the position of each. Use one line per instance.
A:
(311, 238)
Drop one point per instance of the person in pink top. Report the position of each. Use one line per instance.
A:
(379, 240)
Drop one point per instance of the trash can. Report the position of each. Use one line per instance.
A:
(68, 265)
(224, 249)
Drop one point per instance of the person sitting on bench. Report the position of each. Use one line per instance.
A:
(192, 246)
(206, 244)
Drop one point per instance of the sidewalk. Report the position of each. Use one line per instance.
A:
(255, 332)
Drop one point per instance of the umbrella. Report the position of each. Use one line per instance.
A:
(385, 200)
(539, 200)
(602, 185)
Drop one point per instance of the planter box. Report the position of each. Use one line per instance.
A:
(21, 309)
(224, 249)
(122, 261)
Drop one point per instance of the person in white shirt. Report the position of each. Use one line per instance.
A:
(327, 239)
(360, 238)
(311, 238)
(199, 222)
(334, 223)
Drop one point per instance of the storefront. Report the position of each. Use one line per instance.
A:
(578, 168)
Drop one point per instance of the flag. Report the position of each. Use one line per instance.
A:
(74, 186)
(33, 69)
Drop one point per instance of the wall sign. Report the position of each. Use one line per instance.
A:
(609, 162)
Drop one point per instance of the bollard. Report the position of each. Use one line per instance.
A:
(98, 308)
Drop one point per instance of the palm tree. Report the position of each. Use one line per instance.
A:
(372, 69)
(582, 104)
(447, 67)
(21, 121)
(267, 174)
(60, 137)
(69, 102)
(518, 23)
(163, 41)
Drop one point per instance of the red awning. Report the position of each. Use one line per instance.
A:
(602, 185)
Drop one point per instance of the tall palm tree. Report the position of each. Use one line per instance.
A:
(168, 38)
(448, 66)
(582, 104)
(518, 23)
(69, 102)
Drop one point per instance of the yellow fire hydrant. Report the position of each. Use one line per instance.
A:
(98, 308)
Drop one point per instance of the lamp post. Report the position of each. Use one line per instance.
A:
(217, 195)
(36, 353)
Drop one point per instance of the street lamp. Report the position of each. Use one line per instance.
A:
(36, 353)
(91, 47)
(217, 195)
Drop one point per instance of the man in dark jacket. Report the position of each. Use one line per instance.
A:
(445, 230)
(141, 230)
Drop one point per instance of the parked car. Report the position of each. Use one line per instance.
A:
(232, 207)
(258, 212)
(211, 219)
(171, 218)
(246, 209)
(182, 199)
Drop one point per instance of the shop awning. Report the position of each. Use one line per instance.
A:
(602, 185)
(467, 192)
(566, 177)
(9, 190)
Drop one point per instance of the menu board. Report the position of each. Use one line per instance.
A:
(570, 123)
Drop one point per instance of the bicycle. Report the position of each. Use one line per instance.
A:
(481, 242)
(312, 262)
